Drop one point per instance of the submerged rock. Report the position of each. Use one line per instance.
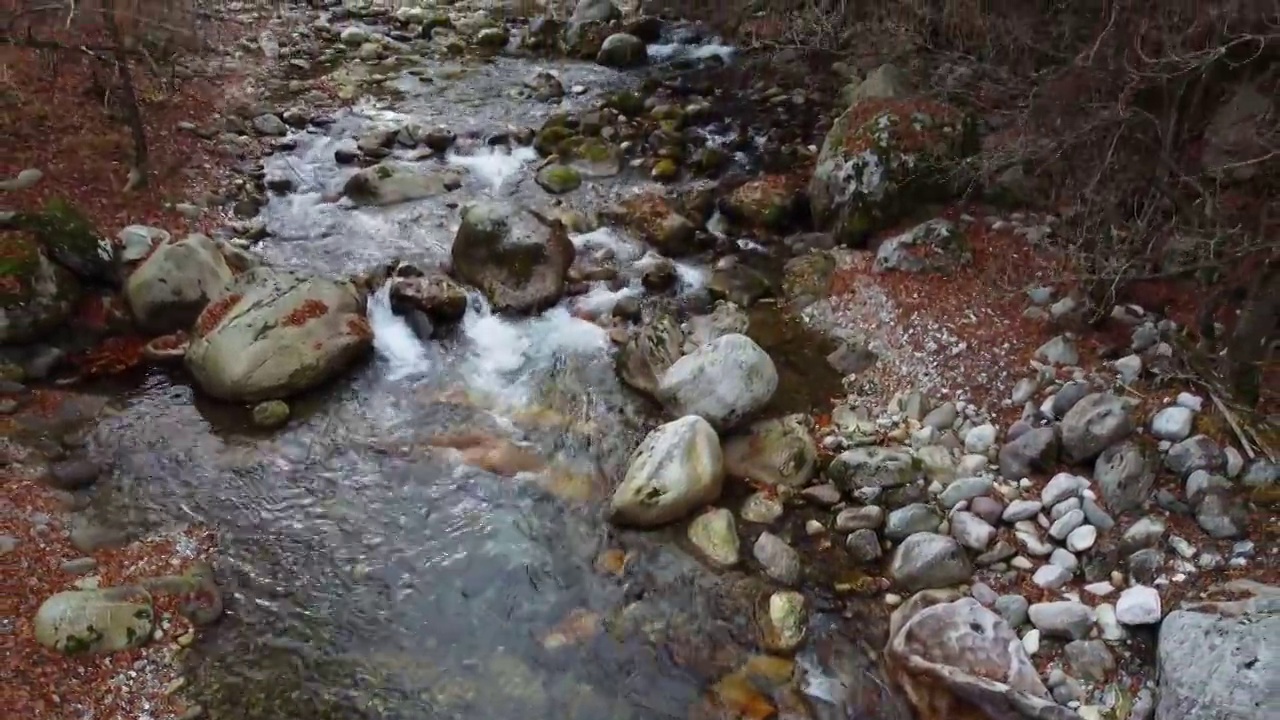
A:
(518, 259)
(275, 334)
(677, 469)
(390, 183)
(649, 351)
(725, 381)
(778, 451)
(715, 534)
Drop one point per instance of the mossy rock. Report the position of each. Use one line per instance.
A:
(665, 170)
(70, 239)
(36, 294)
(627, 102)
(20, 259)
(557, 179)
(709, 161)
(592, 157)
(766, 203)
(549, 140)
(884, 157)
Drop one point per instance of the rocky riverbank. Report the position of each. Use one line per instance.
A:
(595, 369)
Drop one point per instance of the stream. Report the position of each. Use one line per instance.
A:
(371, 576)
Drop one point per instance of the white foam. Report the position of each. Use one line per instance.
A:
(495, 165)
(671, 51)
(393, 339)
(691, 277)
(607, 239)
(601, 299)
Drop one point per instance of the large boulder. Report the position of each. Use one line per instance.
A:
(677, 469)
(390, 183)
(588, 27)
(275, 334)
(883, 157)
(172, 286)
(621, 50)
(36, 294)
(927, 560)
(1214, 667)
(725, 381)
(1097, 422)
(518, 259)
(91, 621)
(960, 660)
(778, 451)
(70, 239)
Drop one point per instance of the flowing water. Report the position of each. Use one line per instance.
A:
(370, 575)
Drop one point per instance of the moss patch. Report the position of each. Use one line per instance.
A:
(19, 260)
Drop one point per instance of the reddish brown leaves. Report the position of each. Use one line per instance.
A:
(304, 313)
(215, 312)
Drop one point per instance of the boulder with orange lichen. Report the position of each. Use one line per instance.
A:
(882, 158)
(175, 282)
(275, 334)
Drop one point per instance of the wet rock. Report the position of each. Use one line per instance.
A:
(275, 334)
(927, 560)
(1195, 453)
(780, 561)
(715, 535)
(492, 38)
(739, 284)
(658, 224)
(1094, 424)
(558, 179)
(73, 475)
(621, 50)
(76, 622)
(519, 260)
(870, 517)
(778, 451)
(677, 469)
(957, 656)
(846, 195)
(36, 294)
(725, 381)
(1125, 476)
(1214, 667)
(872, 467)
(1035, 451)
(863, 546)
(437, 295)
(390, 183)
(270, 414)
(787, 621)
(649, 352)
(1065, 618)
(766, 203)
(176, 282)
(910, 520)
(761, 508)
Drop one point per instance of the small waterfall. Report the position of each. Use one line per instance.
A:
(394, 340)
(495, 164)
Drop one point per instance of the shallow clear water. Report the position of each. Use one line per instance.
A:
(374, 575)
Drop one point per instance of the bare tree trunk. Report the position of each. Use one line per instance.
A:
(132, 113)
(1253, 341)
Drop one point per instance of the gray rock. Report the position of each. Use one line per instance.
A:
(725, 381)
(911, 519)
(1172, 423)
(972, 531)
(1068, 396)
(1146, 565)
(1090, 659)
(677, 469)
(987, 508)
(1096, 516)
(1065, 619)
(1261, 474)
(1066, 524)
(780, 561)
(983, 593)
(999, 552)
(1060, 487)
(1144, 533)
(964, 489)
(1064, 559)
(1094, 424)
(270, 124)
(94, 621)
(1050, 577)
(928, 560)
(1033, 451)
(1021, 510)
(170, 288)
(1201, 482)
(1139, 605)
(1195, 453)
(1222, 516)
(824, 495)
(391, 183)
(1217, 668)
(1060, 350)
(941, 417)
(761, 508)
(857, 518)
(1066, 689)
(980, 439)
(875, 466)
(1013, 608)
(1125, 475)
(73, 474)
(863, 545)
(1064, 507)
(1082, 538)
(79, 566)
